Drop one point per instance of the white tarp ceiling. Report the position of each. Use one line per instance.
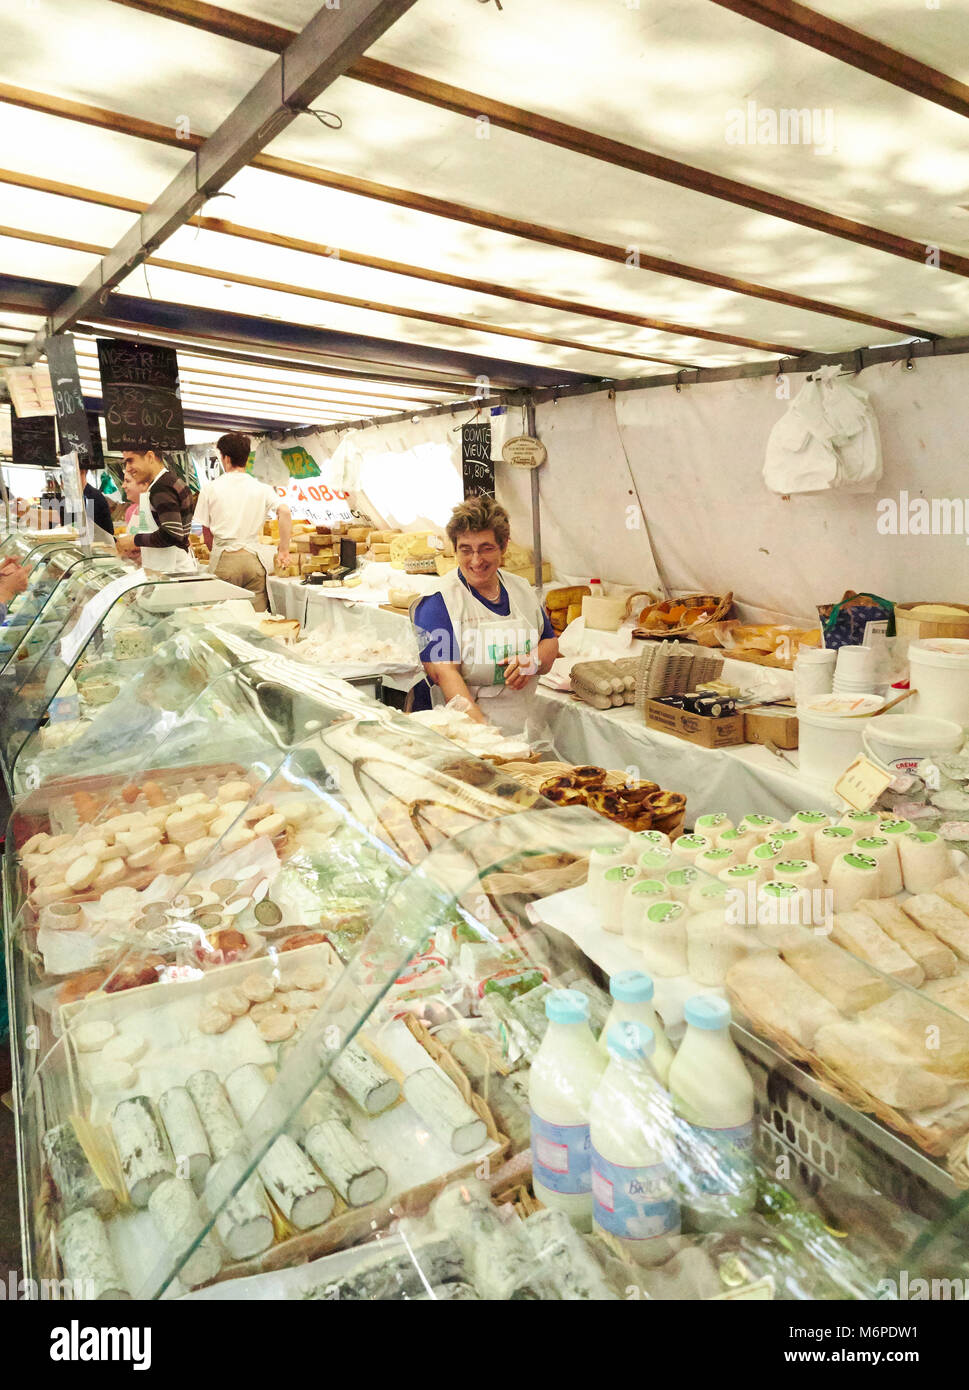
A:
(439, 229)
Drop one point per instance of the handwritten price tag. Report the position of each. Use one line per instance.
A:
(862, 783)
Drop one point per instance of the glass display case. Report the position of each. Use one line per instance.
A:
(49, 565)
(96, 630)
(279, 987)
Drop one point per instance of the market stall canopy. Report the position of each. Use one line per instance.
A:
(491, 196)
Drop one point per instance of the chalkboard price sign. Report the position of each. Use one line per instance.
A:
(142, 404)
(72, 421)
(32, 440)
(477, 467)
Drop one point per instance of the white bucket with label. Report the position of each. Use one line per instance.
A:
(939, 671)
(829, 740)
(900, 741)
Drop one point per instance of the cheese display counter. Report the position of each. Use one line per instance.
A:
(291, 1018)
(49, 565)
(93, 633)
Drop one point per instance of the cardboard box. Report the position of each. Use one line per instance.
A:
(771, 724)
(695, 728)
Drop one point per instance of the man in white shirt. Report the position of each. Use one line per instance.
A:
(231, 511)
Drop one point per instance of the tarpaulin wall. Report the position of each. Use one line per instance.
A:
(692, 459)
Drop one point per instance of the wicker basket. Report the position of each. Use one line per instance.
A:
(722, 607)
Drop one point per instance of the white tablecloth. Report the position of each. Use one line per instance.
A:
(287, 598)
(334, 611)
(737, 780)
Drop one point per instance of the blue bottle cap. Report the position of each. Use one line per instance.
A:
(566, 1006)
(631, 987)
(707, 1011)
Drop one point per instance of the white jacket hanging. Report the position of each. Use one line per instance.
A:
(827, 438)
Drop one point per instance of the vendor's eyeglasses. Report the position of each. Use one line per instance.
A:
(484, 552)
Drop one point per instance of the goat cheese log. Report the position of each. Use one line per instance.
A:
(87, 1258)
(292, 1181)
(175, 1211)
(344, 1163)
(73, 1176)
(186, 1134)
(145, 1158)
(245, 1225)
(444, 1110)
(364, 1080)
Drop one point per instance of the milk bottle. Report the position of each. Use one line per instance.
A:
(630, 1122)
(632, 993)
(563, 1077)
(714, 1096)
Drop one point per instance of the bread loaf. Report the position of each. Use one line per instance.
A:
(934, 914)
(875, 1064)
(774, 994)
(860, 934)
(933, 956)
(848, 983)
(923, 1031)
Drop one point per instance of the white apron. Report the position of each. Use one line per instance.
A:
(169, 559)
(483, 639)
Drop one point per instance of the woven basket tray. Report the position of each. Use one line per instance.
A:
(935, 1140)
(724, 604)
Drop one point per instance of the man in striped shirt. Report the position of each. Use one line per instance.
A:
(170, 501)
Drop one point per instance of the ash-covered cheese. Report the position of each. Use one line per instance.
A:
(87, 1258)
(145, 1158)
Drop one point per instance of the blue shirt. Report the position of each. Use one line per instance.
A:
(435, 635)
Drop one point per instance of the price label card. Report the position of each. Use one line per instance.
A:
(761, 1290)
(862, 783)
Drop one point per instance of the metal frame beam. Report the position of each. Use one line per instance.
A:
(324, 50)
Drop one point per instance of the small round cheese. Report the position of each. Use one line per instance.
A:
(214, 1020)
(168, 857)
(107, 1076)
(144, 858)
(109, 873)
(237, 839)
(37, 844)
(310, 977)
(234, 791)
(276, 1028)
(198, 849)
(271, 826)
(208, 811)
(233, 1001)
(184, 826)
(80, 874)
(126, 1047)
(51, 893)
(112, 852)
(191, 799)
(221, 825)
(259, 1012)
(140, 838)
(258, 988)
(91, 1037)
(232, 808)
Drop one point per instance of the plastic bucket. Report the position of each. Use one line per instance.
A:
(827, 744)
(939, 671)
(900, 741)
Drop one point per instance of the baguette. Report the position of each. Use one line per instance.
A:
(922, 1030)
(848, 983)
(933, 956)
(931, 912)
(858, 933)
(875, 1064)
(774, 994)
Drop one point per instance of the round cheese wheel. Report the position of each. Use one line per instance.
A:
(232, 808)
(139, 838)
(310, 977)
(184, 826)
(220, 825)
(196, 850)
(265, 1010)
(237, 839)
(109, 873)
(258, 988)
(144, 858)
(208, 810)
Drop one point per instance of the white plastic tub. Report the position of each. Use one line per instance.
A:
(939, 671)
(827, 743)
(900, 741)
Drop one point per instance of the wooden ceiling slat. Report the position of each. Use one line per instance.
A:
(439, 277)
(858, 50)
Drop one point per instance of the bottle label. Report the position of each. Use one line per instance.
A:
(561, 1156)
(720, 1161)
(633, 1203)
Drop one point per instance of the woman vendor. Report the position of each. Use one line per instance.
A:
(485, 635)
